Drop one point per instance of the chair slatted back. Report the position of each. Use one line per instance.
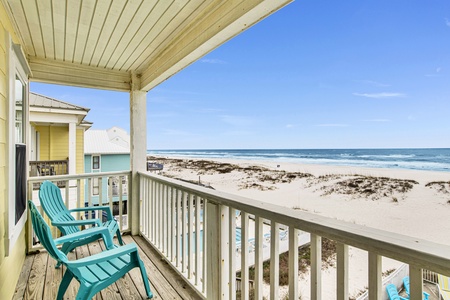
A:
(54, 207)
(44, 235)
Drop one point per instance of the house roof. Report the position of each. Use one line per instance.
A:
(119, 44)
(112, 141)
(42, 101)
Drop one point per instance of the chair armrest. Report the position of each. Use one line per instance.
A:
(96, 222)
(105, 208)
(104, 256)
(107, 238)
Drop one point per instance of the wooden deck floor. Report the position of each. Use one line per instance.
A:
(40, 280)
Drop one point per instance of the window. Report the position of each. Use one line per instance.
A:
(17, 159)
(95, 187)
(95, 162)
(114, 183)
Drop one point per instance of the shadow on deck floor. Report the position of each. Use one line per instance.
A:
(40, 280)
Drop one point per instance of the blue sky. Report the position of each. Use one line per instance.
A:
(316, 74)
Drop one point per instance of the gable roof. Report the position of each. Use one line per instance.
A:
(42, 101)
(111, 141)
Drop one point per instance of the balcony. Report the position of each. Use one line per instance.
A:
(49, 168)
(193, 230)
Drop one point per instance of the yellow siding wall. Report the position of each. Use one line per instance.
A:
(54, 142)
(10, 266)
(80, 151)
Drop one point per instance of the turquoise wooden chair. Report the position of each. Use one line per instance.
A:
(53, 204)
(94, 273)
(391, 289)
(406, 286)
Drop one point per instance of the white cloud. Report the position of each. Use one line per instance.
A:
(380, 95)
(213, 61)
(332, 125)
(447, 22)
(289, 126)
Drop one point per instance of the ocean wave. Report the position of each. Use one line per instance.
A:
(418, 159)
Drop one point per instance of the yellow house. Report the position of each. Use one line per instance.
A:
(56, 136)
(117, 45)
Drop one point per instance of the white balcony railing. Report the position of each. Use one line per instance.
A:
(173, 212)
(78, 191)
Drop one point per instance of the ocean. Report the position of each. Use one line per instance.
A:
(415, 159)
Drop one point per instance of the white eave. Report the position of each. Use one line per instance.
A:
(44, 109)
(102, 43)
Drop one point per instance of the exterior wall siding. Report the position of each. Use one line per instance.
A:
(10, 266)
(80, 151)
(108, 163)
(54, 142)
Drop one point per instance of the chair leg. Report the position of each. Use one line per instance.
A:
(67, 278)
(85, 293)
(119, 238)
(145, 279)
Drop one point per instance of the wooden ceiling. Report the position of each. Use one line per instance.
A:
(101, 43)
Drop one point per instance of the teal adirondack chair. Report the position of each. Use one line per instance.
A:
(391, 289)
(94, 273)
(406, 286)
(53, 204)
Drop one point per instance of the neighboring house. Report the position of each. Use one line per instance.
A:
(107, 151)
(56, 136)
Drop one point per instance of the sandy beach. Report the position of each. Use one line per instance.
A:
(409, 202)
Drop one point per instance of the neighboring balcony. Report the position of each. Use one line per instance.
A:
(206, 237)
(49, 168)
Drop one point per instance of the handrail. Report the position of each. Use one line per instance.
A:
(75, 191)
(169, 201)
(77, 176)
(422, 253)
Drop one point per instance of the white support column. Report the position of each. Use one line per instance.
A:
(72, 148)
(138, 146)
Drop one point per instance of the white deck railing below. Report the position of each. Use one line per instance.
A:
(173, 212)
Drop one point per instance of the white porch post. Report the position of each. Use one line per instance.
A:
(72, 148)
(138, 146)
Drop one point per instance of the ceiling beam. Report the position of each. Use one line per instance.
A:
(206, 34)
(66, 73)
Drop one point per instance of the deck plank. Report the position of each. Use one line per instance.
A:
(40, 280)
(52, 279)
(36, 280)
(174, 280)
(72, 290)
(23, 278)
(127, 288)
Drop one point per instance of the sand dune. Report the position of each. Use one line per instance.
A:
(414, 203)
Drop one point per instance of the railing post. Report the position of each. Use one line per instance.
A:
(224, 251)
(342, 271)
(274, 259)
(316, 267)
(258, 257)
(415, 282)
(375, 291)
(293, 263)
(213, 260)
